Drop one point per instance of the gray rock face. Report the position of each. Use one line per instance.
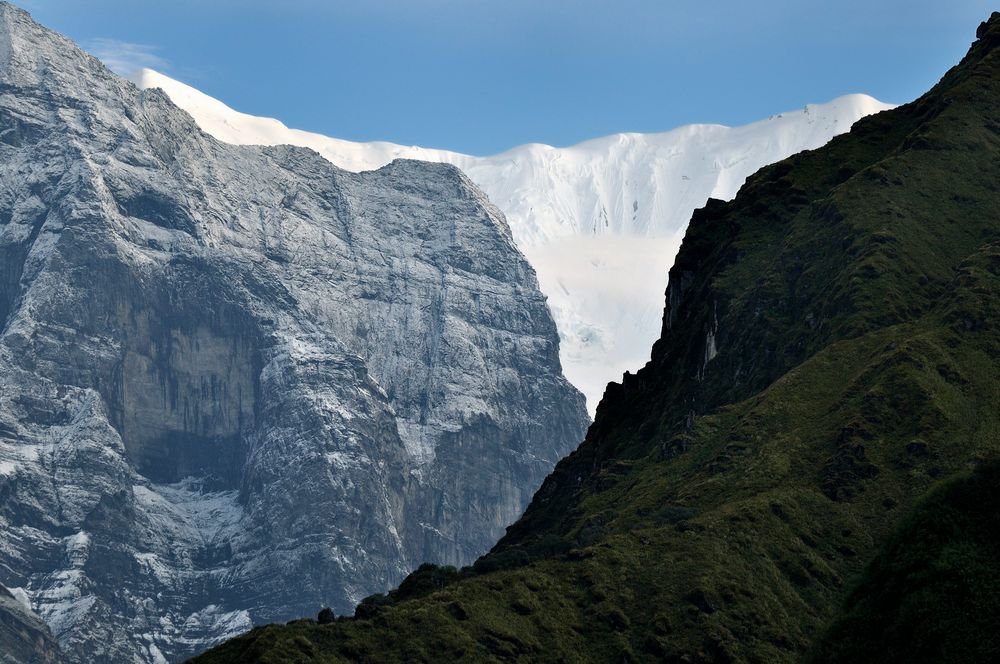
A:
(238, 384)
(24, 638)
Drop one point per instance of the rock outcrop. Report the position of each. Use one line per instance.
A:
(600, 221)
(238, 384)
(798, 453)
(24, 637)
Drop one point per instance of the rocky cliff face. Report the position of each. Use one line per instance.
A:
(599, 221)
(825, 379)
(24, 637)
(236, 383)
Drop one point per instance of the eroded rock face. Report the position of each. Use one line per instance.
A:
(24, 637)
(239, 384)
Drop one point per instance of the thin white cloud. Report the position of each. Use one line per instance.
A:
(125, 58)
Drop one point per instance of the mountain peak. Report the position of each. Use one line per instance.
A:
(576, 212)
(352, 326)
(987, 39)
(8, 8)
(829, 356)
(17, 28)
(990, 26)
(32, 55)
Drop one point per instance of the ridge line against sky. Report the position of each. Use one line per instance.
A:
(479, 77)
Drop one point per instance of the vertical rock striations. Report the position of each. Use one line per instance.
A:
(237, 383)
(600, 221)
(825, 382)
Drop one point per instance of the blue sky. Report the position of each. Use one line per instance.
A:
(480, 76)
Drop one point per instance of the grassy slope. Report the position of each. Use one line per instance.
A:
(933, 594)
(722, 511)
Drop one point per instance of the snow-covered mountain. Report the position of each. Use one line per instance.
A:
(238, 384)
(599, 221)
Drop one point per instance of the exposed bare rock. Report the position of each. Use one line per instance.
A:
(238, 384)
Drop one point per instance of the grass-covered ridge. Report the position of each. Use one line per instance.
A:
(933, 594)
(830, 353)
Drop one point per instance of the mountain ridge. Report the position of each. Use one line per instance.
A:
(600, 221)
(239, 383)
(828, 358)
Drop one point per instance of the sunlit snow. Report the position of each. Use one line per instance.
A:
(600, 221)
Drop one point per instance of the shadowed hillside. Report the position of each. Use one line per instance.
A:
(830, 352)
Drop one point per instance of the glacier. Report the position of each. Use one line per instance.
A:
(599, 221)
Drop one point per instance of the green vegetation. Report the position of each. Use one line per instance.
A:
(933, 594)
(723, 510)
